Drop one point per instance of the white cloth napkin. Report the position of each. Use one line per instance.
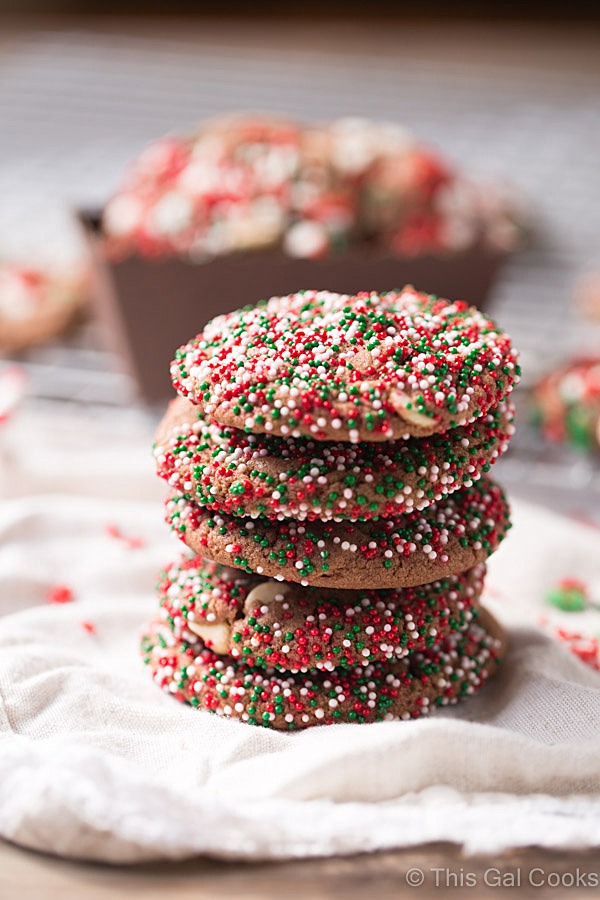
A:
(96, 762)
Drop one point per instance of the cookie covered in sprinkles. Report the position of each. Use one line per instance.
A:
(37, 304)
(404, 689)
(371, 367)
(282, 625)
(228, 470)
(448, 537)
(566, 404)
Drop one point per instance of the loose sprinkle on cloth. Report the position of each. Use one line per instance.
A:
(569, 595)
(448, 537)
(288, 627)
(584, 646)
(133, 542)
(372, 367)
(405, 689)
(225, 469)
(60, 593)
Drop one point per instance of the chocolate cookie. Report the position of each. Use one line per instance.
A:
(36, 305)
(254, 475)
(285, 626)
(240, 183)
(372, 367)
(448, 537)
(404, 689)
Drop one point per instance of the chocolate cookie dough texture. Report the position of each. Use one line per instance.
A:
(445, 538)
(328, 463)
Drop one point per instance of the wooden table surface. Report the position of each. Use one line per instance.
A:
(31, 876)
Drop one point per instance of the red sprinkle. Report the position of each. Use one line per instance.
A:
(60, 593)
(134, 543)
(586, 647)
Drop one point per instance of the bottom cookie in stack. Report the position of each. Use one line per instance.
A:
(289, 657)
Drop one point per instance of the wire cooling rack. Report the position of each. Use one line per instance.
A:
(76, 106)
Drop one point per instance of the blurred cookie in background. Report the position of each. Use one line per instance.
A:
(239, 182)
(249, 181)
(272, 204)
(36, 305)
(566, 404)
(414, 200)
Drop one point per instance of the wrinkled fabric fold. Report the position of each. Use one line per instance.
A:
(96, 763)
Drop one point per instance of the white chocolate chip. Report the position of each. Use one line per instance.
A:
(217, 637)
(266, 592)
(400, 402)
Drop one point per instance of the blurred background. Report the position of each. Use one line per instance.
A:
(509, 94)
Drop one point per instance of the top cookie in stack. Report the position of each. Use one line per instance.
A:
(373, 367)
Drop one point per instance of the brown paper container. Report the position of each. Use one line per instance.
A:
(151, 307)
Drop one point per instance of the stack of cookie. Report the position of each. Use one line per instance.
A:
(327, 460)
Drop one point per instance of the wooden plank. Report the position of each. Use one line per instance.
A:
(31, 876)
